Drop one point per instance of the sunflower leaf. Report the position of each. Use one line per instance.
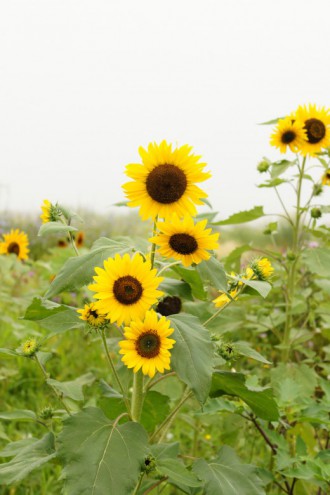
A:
(54, 228)
(79, 271)
(192, 354)
(243, 216)
(101, 456)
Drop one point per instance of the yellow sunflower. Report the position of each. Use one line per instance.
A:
(317, 126)
(223, 298)
(165, 181)
(46, 211)
(288, 133)
(147, 345)
(326, 178)
(126, 288)
(91, 315)
(260, 269)
(15, 242)
(184, 240)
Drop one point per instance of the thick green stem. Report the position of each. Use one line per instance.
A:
(113, 369)
(137, 398)
(292, 270)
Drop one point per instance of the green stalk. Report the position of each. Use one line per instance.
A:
(153, 247)
(137, 397)
(113, 369)
(293, 267)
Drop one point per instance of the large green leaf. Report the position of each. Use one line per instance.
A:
(318, 261)
(226, 475)
(260, 286)
(79, 271)
(244, 349)
(192, 277)
(30, 457)
(192, 354)
(73, 389)
(262, 402)
(56, 318)
(18, 415)
(55, 228)
(243, 216)
(213, 273)
(273, 182)
(177, 472)
(155, 409)
(101, 457)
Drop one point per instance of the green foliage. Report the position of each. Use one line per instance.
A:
(99, 455)
(55, 228)
(243, 216)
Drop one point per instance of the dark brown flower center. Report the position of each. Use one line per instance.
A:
(13, 248)
(170, 305)
(288, 136)
(315, 130)
(148, 344)
(94, 313)
(327, 175)
(183, 243)
(166, 183)
(127, 290)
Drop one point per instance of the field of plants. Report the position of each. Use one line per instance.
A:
(164, 350)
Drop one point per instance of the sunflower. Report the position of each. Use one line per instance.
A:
(15, 242)
(80, 237)
(184, 240)
(147, 344)
(126, 288)
(260, 269)
(224, 299)
(317, 126)
(288, 133)
(326, 178)
(165, 181)
(50, 212)
(91, 315)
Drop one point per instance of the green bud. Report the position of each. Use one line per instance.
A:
(263, 166)
(149, 464)
(316, 213)
(290, 256)
(46, 413)
(317, 189)
(227, 351)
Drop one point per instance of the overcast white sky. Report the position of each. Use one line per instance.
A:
(84, 83)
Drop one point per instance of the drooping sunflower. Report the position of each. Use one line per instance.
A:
(288, 133)
(147, 344)
(260, 269)
(126, 288)
(165, 181)
(16, 242)
(50, 212)
(326, 178)
(223, 298)
(92, 315)
(317, 126)
(184, 240)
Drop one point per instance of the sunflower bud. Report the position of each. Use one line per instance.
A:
(290, 256)
(46, 413)
(316, 213)
(227, 351)
(263, 166)
(29, 348)
(149, 464)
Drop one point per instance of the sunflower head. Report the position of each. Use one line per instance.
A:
(326, 178)
(29, 348)
(147, 344)
(223, 299)
(260, 269)
(316, 122)
(91, 315)
(50, 212)
(125, 288)
(170, 305)
(15, 242)
(184, 240)
(165, 182)
(289, 133)
(79, 240)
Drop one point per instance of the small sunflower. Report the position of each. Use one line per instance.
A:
(126, 288)
(15, 242)
(326, 178)
(91, 315)
(317, 126)
(80, 238)
(147, 344)
(260, 269)
(50, 212)
(288, 133)
(224, 299)
(165, 181)
(29, 347)
(184, 240)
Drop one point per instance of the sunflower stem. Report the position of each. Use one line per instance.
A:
(137, 397)
(168, 266)
(113, 369)
(46, 377)
(153, 247)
